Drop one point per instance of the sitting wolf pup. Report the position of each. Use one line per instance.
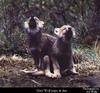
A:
(61, 52)
(39, 43)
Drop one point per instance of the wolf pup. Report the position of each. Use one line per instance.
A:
(39, 43)
(61, 52)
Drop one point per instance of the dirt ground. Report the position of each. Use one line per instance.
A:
(10, 76)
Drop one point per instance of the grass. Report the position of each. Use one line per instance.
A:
(10, 76)
(88, 59)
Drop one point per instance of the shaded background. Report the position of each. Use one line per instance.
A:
(84, 15)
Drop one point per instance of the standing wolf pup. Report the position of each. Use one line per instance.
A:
(61, 52)
(39, 43)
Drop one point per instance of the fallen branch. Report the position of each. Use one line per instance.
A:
(33, 72)
(36, 82)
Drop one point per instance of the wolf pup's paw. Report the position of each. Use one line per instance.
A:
(48, 74)
(57, 74)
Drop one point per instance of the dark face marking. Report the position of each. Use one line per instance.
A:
(32, 23)
(68, 34)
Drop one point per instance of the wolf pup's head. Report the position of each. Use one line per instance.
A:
(33, 23)
(65, 31)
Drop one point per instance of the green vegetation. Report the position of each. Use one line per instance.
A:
(84, 15)
(55, 13)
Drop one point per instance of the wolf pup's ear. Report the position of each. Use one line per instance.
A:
(28, 19)
(40, 23)
(74, 32)
(26, 23)
(36, 19)
(56, 31)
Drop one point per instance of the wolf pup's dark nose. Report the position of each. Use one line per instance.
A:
(69, 29)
